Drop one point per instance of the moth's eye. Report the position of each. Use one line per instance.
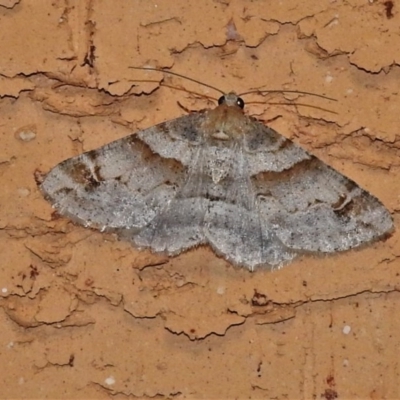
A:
(240, 103)
(221, 100)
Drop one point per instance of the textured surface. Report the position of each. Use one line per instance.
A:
(257, 198)
(86, 316)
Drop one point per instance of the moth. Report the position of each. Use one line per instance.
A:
(218, 178)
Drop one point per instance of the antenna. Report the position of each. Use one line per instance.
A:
(223, 93)
(287, 91)
(179, 75)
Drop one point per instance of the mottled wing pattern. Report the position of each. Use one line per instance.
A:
(216, 205)
(219, 178)
(313, 208)
(267, 150)
(307, 204)
(179, 225)
(123, 184)
(303, 203)
(233, 225)
(178, 139)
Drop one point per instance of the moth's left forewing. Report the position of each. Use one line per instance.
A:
(120, 185)
(178, 138)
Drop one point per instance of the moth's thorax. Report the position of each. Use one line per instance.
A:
(225, 122)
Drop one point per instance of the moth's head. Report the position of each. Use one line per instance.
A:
(232, 100)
